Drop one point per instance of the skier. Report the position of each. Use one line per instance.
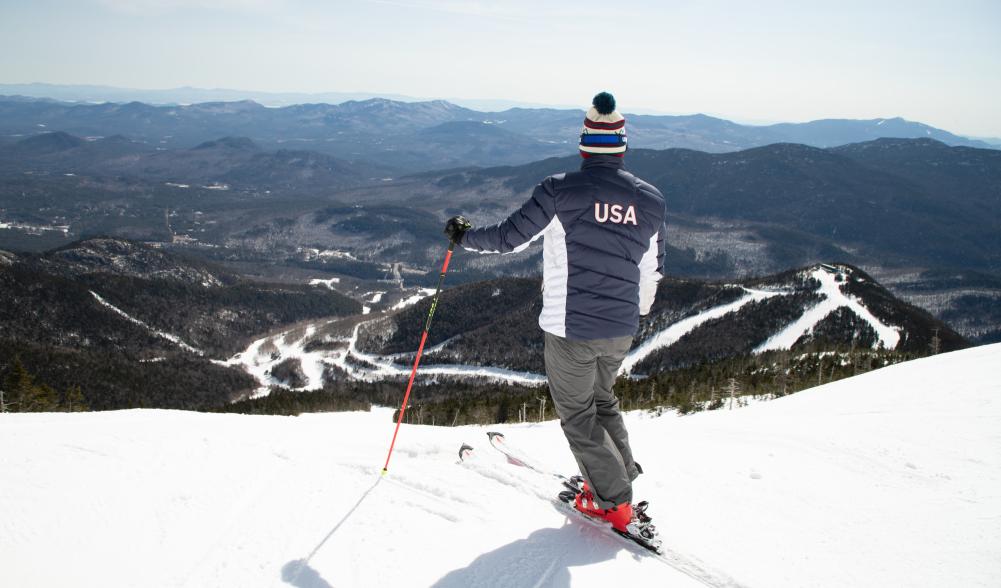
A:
(603, 254)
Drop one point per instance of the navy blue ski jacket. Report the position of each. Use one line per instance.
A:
(603, 248)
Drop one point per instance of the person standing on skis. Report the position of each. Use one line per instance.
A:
(603, 254)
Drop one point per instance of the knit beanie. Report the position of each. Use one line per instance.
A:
(604, 131)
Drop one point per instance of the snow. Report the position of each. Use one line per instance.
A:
(312, 253)
(378, 367)
(421, 295)
(267, 352)
(329, 283)
(676, 331)
(892, 478)
(34, 229)
(833, 298)
(260, 357)
(888, 336)
(172, 338)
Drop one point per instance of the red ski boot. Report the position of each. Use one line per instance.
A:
(620, 516)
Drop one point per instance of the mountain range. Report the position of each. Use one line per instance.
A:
(418, 136)
(901, 208)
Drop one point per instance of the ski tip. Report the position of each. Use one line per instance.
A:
(493, 434)
(464, 450)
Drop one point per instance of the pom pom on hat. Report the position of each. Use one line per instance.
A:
(604, 103)
(604, 131)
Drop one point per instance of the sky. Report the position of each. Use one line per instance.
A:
(763, 61)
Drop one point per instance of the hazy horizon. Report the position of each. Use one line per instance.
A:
(474, 103)
(771, 62)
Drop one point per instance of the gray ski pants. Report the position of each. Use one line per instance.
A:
(581, 374)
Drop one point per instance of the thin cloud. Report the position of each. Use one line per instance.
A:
(509, 10)
(167, 6)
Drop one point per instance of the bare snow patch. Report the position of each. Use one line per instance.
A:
(329, 283)
(421, 295)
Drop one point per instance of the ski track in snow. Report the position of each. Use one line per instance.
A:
(891, 478)
(834, 299)
(172, 338)
(541, 486)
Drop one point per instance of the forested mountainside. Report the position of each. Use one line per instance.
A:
(494, 322)
(135, 326)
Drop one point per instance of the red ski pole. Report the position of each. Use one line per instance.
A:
(420, 350)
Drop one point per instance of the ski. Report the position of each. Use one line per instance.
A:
(516, 457)
(685, 565)
(644, 534)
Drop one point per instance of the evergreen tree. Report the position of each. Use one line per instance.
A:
(18, 386)
(73, 400)
(26, 396)
(42, 398)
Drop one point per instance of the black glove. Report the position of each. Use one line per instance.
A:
(456, 227)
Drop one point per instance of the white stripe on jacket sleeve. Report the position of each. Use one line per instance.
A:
(649, 276)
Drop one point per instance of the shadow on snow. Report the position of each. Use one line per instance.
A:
(543, 559)
(298, 571)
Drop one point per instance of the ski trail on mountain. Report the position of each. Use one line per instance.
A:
(676, 331)
(833, 299)
(172, 338)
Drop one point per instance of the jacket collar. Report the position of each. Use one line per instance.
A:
(603, 162)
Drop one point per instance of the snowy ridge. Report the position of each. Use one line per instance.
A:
(834, 299)
(676, 331)
(172, 338)
(888, 479)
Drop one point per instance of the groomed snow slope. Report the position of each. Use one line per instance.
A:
(888, 479)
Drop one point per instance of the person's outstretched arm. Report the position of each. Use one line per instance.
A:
(517, 232)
